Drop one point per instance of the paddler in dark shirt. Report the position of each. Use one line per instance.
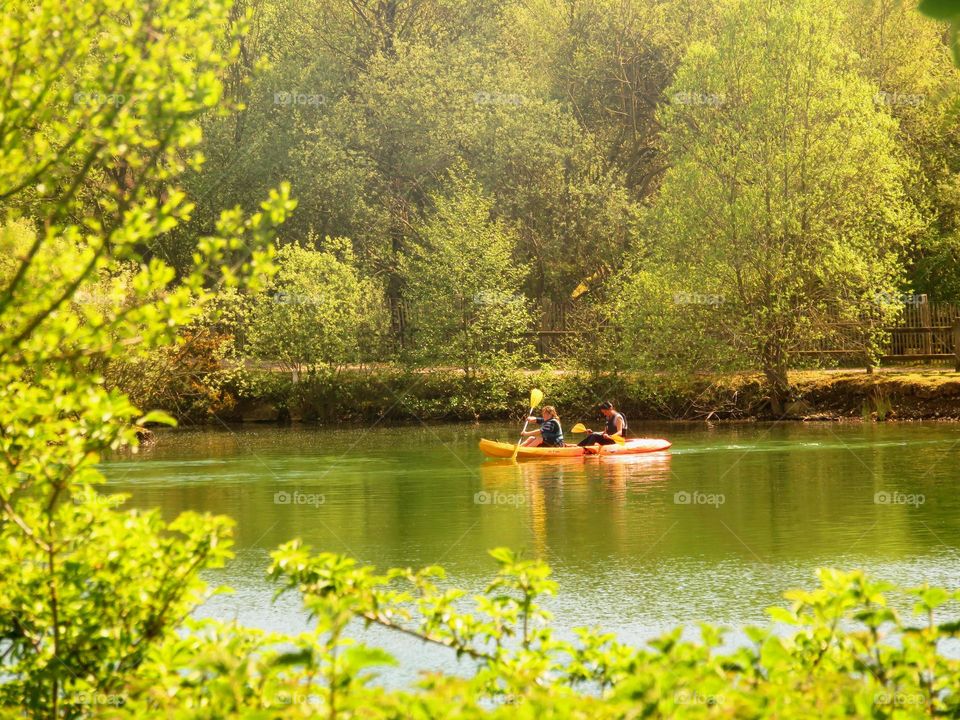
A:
(616, 425)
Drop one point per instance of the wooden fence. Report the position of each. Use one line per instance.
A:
(926, 331)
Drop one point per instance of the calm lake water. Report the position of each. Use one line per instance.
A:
(714, 530)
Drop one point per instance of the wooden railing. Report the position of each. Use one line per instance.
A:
(926, 331)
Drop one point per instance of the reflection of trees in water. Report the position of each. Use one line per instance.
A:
(793, 494)
(579, 483)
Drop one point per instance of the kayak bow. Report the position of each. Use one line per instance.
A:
(492, 448)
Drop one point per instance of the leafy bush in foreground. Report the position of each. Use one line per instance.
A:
(849, 654)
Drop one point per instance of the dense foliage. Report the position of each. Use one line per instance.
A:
(712, 199)
(107, 264)
(99, 114)
(783, 209)
(681, 201)
(464, 286)
(313, 311)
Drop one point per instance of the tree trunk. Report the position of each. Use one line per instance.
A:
(778, 385)
(774, 364)
(398, 329)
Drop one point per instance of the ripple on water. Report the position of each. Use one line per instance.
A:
(630, 554)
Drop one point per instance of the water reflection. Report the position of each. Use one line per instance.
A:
(572, 486)
(628, 551)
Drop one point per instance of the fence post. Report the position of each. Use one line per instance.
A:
(927, 323)
(956, 345)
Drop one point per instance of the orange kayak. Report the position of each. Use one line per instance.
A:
(492, 448)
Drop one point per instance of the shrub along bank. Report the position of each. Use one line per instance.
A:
(397, 395)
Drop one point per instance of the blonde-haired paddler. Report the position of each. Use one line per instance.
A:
(549, 434)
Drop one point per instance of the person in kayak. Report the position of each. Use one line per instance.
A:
(616, 425)
(549, 434)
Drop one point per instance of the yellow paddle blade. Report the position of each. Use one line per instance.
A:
(535, 398)
(580, 428)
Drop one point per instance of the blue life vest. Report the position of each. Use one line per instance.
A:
(551, 432)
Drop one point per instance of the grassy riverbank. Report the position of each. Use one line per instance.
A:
(397, 395)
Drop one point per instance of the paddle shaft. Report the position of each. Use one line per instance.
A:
(520, 441)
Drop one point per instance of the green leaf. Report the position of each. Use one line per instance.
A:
(360, 657)
(949, 628)
(954, 41)
(158, 417)
(297, 657)
(940, 9)
(782, 615)
(773, 654)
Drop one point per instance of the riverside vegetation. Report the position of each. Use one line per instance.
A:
(405, 395)
(701, 202)
(108, 265)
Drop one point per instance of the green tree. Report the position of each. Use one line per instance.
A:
(551, 178)
(463, 284)
(904, 54)
(784, 210)
(99, 116)
(392, 96)
(315, 310)
(611, 61)
(362, 105)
